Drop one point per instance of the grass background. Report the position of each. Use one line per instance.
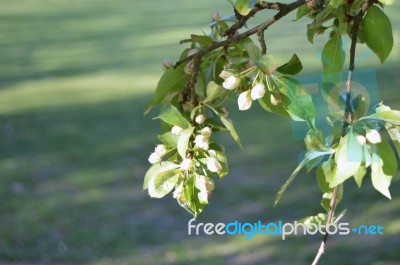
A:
(74, 79)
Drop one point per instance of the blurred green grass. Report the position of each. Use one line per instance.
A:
(74, 79)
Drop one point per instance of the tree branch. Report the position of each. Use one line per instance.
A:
(348, 114)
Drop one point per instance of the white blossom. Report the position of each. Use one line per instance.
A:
(231, 82)
(213, 165)
(257, 91)
(225, 74)
(187, 164)
(361, 139)
(161, 149)
(373, 136)
(244, 100)
(154, 158)
(201, 142)
(200, 119)
(206, 132)
(177, 130)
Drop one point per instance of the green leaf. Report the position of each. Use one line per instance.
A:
(280, 109)
(302, 11)
(172, 81)
(162, 183)
(333, 55)
(229, 125)
(348, 158)
(360, 174)
(394, 133)
(156, 169)
(169, 139)
(243, 7)
(383, 167)
(301, 106)
(183, 142)
(202, 40)
(267, 64)
(391, 116)
(323, 173)
(293, 67)
(252, 50)
(194, 205)
(378, 32)
(215, 91)
(310, 155)
(173, 116)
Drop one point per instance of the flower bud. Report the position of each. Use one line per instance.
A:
(213, 165)
(201, 142)
(216, 15)
(189, 68)
(206, 132)
(200, 119)
(244, 100)
(231, 82)
(167, 63)
(276, 99)
(209, 184)
(373, 136)
(361, 139)
(154, 158)
(161, 149)
(187, 164)
(225, 74)
(257, 91)
(177, 130)
(382, 108)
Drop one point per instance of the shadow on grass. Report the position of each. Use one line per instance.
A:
(71, 192)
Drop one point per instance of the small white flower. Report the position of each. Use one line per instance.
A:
(216, 15)
(177, 130)
(187, 164)
(361, 139)
(161, 149)
(154, 158)
(167, 63)
(231, 82)
(213, 165)
(201, 142)
(257, 91)
(244, 100)
(225, 74)
(206, 132)
(373, 136)
(382, 108)
(200, 119)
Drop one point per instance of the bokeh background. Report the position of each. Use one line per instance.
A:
(74, 79)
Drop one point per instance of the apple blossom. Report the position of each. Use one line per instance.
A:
(257, 91)
(200, 119)
(225, 74)
(187, 164)
(154, 158)
(244, 100)
(231, 82)
(177, 130)
(373, 136)
(213, 165)
(361, 139)
(206, 132)
(161, 149)
(201, 142)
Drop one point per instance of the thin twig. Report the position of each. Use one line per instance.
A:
(261, 39)
(284, 9)
(348, 115)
